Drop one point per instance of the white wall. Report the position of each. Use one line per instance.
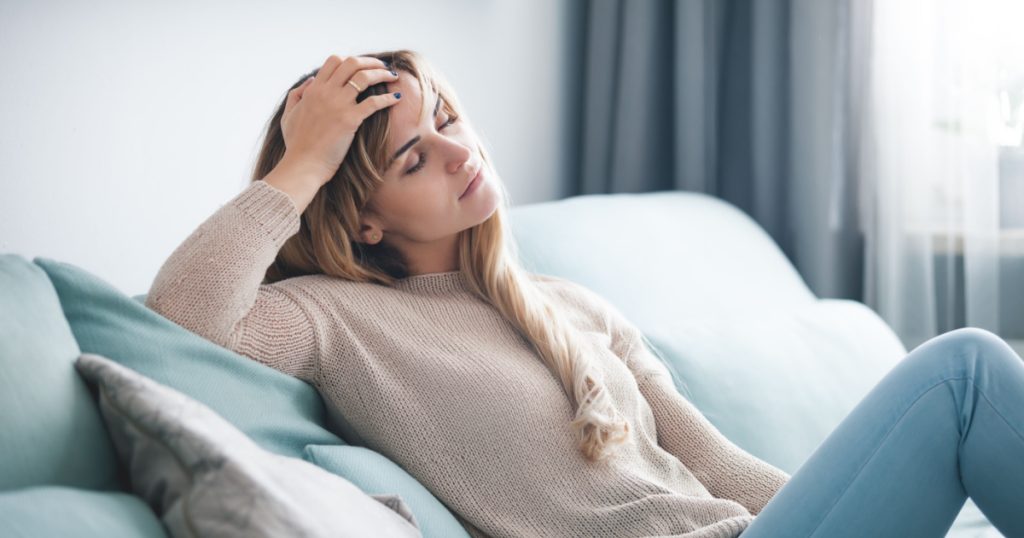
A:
(126, 124)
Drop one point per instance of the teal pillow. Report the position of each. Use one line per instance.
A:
(281, 413)
(52, 430)
(29, 513)
(374, 473)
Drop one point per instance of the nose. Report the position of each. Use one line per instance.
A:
(458, 156)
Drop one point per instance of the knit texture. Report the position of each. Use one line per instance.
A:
(438, 381)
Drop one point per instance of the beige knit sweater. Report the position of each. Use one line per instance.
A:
(436, 380)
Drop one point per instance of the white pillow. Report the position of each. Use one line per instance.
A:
(204, 477)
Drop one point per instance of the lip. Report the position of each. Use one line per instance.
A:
(473, 184)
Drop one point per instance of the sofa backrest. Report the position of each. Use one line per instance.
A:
(766, 361)
(695, 248)
(52, 433)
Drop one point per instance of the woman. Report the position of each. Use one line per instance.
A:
(370, 257)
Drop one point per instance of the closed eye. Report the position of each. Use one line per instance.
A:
(423, 156)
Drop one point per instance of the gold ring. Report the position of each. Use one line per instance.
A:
(356, 86)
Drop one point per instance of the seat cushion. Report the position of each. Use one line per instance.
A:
(61, 511)
(281, 413)
(375, 473)
(52, 430)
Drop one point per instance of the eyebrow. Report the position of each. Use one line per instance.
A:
(415, 139)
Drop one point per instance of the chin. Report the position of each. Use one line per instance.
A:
(486, 202)
(482, 210)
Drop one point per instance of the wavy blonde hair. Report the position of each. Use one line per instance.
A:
(488, 255)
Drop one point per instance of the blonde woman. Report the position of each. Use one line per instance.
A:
(370, 257)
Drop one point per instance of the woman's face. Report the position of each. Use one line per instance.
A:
(419, 208)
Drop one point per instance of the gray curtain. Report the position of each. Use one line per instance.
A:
(752, 101)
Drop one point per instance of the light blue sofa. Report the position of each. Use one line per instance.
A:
(771, 365)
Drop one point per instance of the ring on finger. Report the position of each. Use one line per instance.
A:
(356, 86)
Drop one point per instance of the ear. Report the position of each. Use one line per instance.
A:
(370, 232)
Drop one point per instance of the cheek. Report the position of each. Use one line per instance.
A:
(423, 204)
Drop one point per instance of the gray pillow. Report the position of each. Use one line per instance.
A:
(204, 477)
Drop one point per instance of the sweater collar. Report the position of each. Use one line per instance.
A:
(447, 281)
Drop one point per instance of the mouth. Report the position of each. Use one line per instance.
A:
(473, 183)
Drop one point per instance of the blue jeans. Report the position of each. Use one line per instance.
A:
(946, 422)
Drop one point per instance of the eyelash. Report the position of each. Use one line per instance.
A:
(423, 156)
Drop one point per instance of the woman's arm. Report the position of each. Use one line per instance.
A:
(211, 283)
(725, 469)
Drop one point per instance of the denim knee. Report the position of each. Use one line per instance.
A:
(977, 344)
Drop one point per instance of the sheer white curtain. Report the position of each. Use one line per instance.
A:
(942, 102)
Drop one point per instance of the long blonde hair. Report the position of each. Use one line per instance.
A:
(488, 255)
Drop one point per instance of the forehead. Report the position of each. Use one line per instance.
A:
(406, 115)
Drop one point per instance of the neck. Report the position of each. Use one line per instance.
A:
(441, 256)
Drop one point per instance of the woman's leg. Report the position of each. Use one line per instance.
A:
(946, 422)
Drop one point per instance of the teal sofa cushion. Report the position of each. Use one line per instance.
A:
(689, 252)
(376, 474)
(47, 511)
(52, 430)
(281, 413)
(778, 382)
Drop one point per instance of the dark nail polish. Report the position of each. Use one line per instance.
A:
(393, 72)
(398, 95)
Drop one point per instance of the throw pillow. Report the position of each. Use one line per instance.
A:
(374, 472)
(204, 477)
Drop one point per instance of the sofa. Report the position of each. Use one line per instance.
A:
(771, 365)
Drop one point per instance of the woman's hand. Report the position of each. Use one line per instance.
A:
(321, 115)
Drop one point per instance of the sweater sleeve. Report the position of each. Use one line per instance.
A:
(725, 469)
(212, 284)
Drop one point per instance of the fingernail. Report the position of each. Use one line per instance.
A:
(393, 72)
(398, 95)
